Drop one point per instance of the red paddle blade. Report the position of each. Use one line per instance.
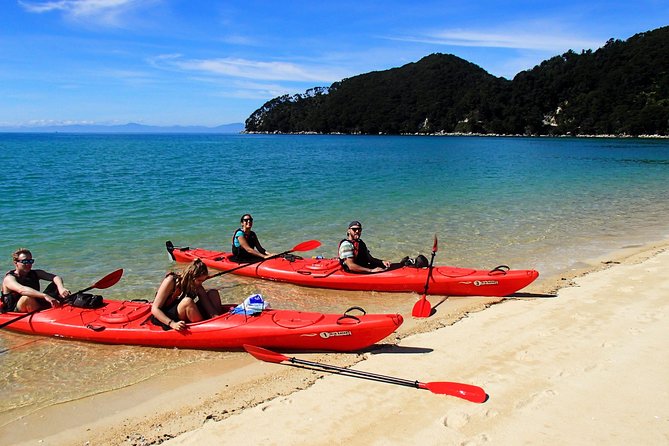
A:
(435, 246)
(265, 355)
(468, 392)
(109, 280)
(307, 246)
(422, 308)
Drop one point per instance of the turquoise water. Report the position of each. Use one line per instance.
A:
(87, 205)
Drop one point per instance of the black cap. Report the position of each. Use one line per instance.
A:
(354, 223)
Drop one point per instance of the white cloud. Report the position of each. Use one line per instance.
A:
(104, 12)
(537, 40)
(251, 69)
(259, 90)
(51, 122)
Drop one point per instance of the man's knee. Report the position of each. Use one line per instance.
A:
(28, 304)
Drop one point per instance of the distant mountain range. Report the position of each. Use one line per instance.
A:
(236, 127)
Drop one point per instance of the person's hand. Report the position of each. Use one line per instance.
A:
(52, 301)
(386, 263)
(65, 293)
(178, 325)
(378, 269)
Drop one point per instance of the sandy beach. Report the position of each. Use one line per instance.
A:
(584, 365)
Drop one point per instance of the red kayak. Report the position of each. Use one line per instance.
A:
(328, 273)
(127, 322)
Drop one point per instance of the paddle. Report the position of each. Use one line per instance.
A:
(304, 246)
(107, 281)
(464, 391)
(422, 308)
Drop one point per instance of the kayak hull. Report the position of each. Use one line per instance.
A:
(328, 273)
(127, 322)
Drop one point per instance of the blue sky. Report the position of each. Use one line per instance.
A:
(207, 62)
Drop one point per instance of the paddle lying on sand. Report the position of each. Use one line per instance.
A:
(465, 391)
(107, 281)
(422, 308)
(304, 246)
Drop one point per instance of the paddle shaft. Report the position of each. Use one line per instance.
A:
(3, 325)
(360, 373)
(304, 246)
(468, 392)
(429, 270)
(423, 308)
(248, 264)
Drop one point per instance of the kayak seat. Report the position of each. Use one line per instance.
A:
(125, 314)
(320, 267)
(452, 271)
(204, 254)
(296, 319)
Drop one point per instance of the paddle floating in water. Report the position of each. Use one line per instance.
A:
(468, 392)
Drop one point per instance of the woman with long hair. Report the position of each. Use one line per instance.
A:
(181, 298)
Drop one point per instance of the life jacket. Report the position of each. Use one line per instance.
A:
(10, 299)
(251, 239)
(30, 280)
(361, 254)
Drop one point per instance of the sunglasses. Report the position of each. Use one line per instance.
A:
(248, 220)
(356, 229)
(26, 261)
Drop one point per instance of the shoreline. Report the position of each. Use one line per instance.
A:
(169, 408)
(499, 135)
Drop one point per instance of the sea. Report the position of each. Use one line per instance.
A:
(89, 204)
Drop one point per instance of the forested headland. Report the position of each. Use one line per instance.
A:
(619, 89)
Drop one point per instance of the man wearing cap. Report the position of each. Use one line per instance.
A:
(354, 255)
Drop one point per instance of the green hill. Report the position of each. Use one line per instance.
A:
(622, 88)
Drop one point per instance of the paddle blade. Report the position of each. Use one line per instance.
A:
(468, 392)
(265, 355)
(422, 308)
(170, 250)
(109, 280)
(435, 246)
(307, 246)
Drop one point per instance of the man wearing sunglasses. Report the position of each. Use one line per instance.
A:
(21, 290)
(354, 255)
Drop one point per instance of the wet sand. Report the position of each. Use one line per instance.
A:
(585, 366)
